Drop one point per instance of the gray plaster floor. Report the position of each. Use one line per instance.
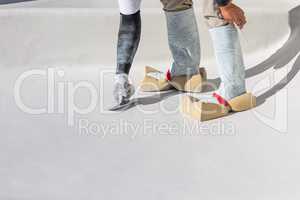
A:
(58, 141)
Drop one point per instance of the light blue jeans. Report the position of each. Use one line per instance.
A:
(229, 60)
(184, 42)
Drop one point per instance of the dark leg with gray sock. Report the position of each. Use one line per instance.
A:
(128, 42)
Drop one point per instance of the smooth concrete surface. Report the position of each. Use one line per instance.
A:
(65, 53)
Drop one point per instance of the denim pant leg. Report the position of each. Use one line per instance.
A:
(184, 42)
(229, 60)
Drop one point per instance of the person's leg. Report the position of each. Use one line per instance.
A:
(129, 34)
(128, 42)
(231, 95)
(228, 52)
(183, 36)
(229, 60)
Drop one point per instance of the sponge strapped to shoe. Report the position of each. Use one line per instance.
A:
(204, 111)
(155, 81)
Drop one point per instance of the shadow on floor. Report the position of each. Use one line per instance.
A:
(156, 98)
(282, 57)
(12, 1)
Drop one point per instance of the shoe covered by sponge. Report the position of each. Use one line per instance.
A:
(205, 111)
(155, 81)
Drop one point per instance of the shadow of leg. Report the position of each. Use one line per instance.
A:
(283, 82)
(13, 1)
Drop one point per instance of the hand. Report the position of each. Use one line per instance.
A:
(233, 14)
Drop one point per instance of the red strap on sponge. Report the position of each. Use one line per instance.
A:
(220, 99)
(168, 75)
